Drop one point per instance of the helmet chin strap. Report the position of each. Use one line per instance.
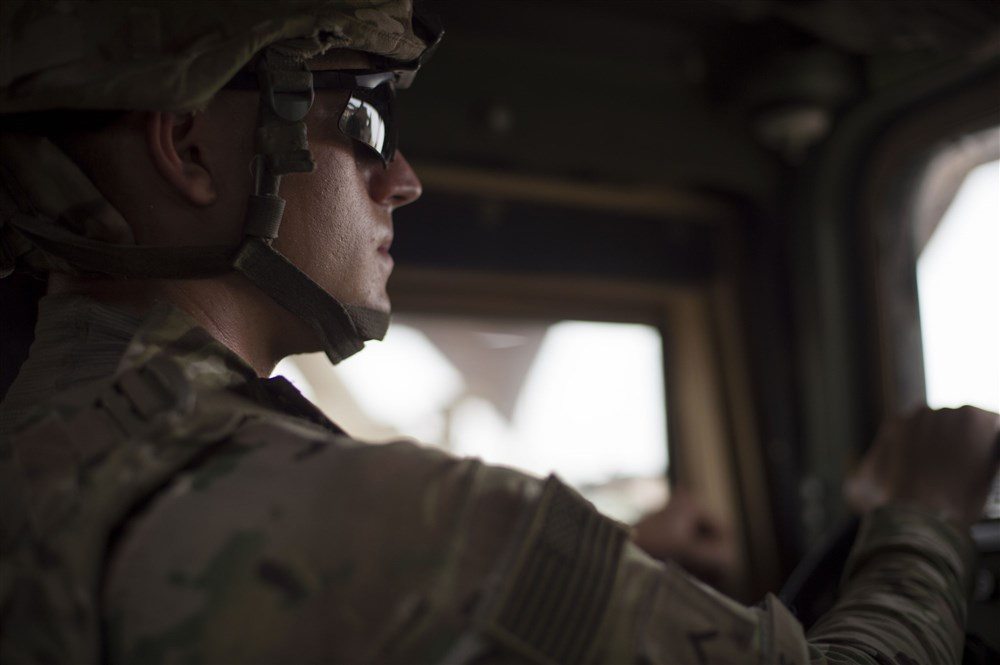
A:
(343, 329)
(286, 95)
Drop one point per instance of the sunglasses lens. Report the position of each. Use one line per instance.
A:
(367, 118)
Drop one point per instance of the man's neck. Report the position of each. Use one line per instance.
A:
(230, 309)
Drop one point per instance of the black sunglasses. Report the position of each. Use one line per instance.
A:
(368, 116)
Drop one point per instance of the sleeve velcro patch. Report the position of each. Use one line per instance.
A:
(554, 599)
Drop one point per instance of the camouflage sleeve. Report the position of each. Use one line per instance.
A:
(902, 603)
(903, 600)
(289, 546)
(296, 546)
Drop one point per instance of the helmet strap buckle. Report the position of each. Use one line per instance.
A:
(286, 95)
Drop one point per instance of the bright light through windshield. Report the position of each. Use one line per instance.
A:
(958, 276)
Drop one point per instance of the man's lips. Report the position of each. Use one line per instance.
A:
(385, 246)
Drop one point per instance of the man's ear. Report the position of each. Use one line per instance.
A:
(174, 148)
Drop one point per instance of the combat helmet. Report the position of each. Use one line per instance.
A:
(174, 56)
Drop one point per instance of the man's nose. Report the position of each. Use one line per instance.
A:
(395, 185)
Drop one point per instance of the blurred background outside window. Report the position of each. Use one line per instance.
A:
(958, 282)
(581, 399)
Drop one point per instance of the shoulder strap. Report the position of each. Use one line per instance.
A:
(104, 258)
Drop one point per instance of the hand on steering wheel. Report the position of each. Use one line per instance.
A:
(942, 462)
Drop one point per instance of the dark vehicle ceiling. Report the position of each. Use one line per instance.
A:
(713, 95)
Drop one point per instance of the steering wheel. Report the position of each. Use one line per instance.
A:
(811, 589)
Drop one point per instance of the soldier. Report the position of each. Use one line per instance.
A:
(163, 501)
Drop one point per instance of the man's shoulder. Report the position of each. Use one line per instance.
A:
(287, 525)
(240, 505)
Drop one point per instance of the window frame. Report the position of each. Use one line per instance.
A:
(695, 290)
(712, 439)
(858, 354)
(902, 213)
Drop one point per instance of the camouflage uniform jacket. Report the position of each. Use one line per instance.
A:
(179, 509)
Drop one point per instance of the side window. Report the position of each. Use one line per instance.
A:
(582, 399)
(958, 285)
(958, 280)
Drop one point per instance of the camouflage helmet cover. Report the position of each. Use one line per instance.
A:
(174, 55)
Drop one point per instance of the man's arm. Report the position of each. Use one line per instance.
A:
(904, 597)
(902, 603)
(297, 549)
(902, 600)
(903, 594)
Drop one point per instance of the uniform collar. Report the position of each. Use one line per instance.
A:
(207, 362)
(80, 341)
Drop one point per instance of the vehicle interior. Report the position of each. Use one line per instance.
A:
(676, 243)
(738, 189)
